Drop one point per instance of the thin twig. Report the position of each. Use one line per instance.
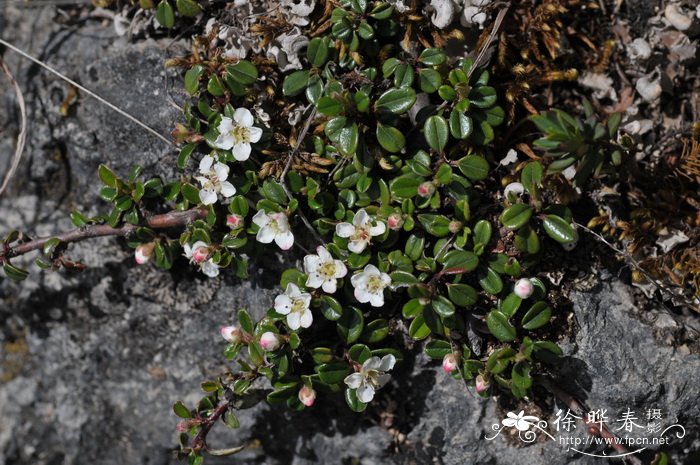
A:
(88, 92)
(659, 285)
(163, 221)
(22, 137)
(489, 41)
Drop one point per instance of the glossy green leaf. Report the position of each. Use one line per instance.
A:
(295, 83)
(418, 330)
(391, 139)
(559, 229)
(350, 324)
(333, 373)
(500, 327)
(165, 14)
(537, 316)
(461, 125)
(516, 216)
(244, 72)
(474, 167)
(436, 132)
(396, 101)
(188, 8)
(462, 294)
(438, 349)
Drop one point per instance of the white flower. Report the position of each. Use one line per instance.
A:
(269, 341)
(198, 253)
(238, 133)
(360, 231)
(524, 288)
(371, 377)
(274, 226)
(520, 421)
(323, 270)
(213, 180)
(295, 304)
(369, 285)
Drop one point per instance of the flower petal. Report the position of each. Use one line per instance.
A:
(205, 164)
(357, 246)
(382, 380)
(365, 394)
(292, 290)
(294, 321)
(241, 151)
(315, 280)
(261, 218)
(243, 117)
(221, 171)
(311, 263)
(210, 268)
(344, 229)
(330, 286)
(254, 134)
(306, 318)
(285, 241)
(225, 126)
(340, 269)
(376, 300)
(361, 218)
(354, 380)
(362, 295)
(283, 304)
(265, 235)
(387, 363)
(378, 229)
(372, 363)
(207, 196)
(323, 254)
(224, 141)
(227, 189)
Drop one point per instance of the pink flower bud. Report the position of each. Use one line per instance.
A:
(183, 426)
(200, 254)
(524, 288)
(455, 226)
(231, 334)
(143, 252)
(395, 221)
(481, 384)
(235, 221)
(449, 363)
(426, 189)
(307, 396)
(269, 341)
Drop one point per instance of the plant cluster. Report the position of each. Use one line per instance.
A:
(375, 162)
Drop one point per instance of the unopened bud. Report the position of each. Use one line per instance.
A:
(426, 189)
(514, 188)
(481, 384)
(395, 221)
(449, 363)
(524, 288)
(235, 221)
(307, 396)
(231, 334)
(455, 226)
(200, 254)
(269, 341)
(144, 252)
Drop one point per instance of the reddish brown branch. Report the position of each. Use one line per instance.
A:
(164, 221)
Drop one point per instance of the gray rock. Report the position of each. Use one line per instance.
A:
(90, 364)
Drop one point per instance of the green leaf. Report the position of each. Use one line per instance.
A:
(244, 72)
(437, 225)
(107, 176)
(531, 176)
(165, 14)
(331, 308)
(412, 308)
(274, 191)
(403, 76)
(181, 411)
(403, 278)
(491, 282)
(188, 8)
(78, 219)
(547, 351)
(343, 132)
(418, 329)
(499, 326)
(382, 11)
(245, 321)
(295, 83)
(474, 167)
(329, 106)
(510, 305)
(317, 51)
(443, 306)
(14, 273)
(614, 124)
(461, 125)
(559, 229)
(482, 232)
(350, 324)
(215, 86)
(391, 139)
(483, 96)
(436, 132)
(333, 373)
(192, 79)
(184, 155)
(538, 316)
(462, 294)
(190, 193)
(430, 80)
(521, 375)
(359, 353)
(375, 331)
(500, 359)
(396, 101)
(256, 353)
(405, 187)
(432, 56)
(438, 349)
(516, 216)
